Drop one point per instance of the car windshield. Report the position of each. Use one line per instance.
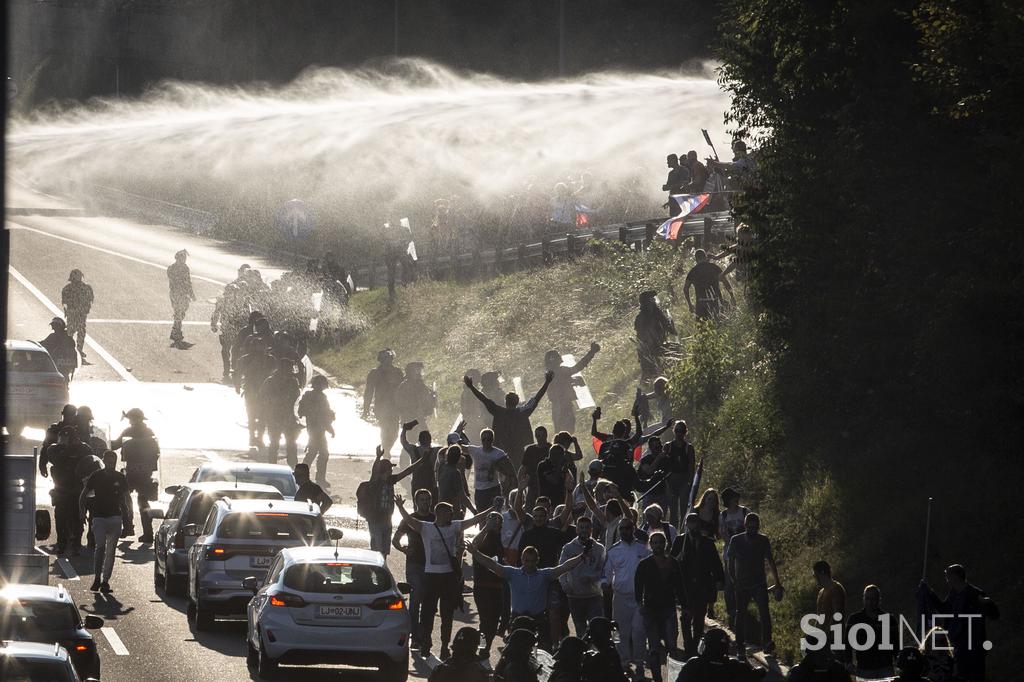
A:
(272, 526)
(25, 670)
(285, 483)
(23, 618)
(203, 502)
(337, 578)
(29, 361)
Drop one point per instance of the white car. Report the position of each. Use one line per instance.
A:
(27, 661)
(36, 391)
(328, 605)
(278, 475)
(240, 539)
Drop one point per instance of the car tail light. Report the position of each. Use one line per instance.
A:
(286, 599)
(216, 553)
(388, 604)
(81, 646)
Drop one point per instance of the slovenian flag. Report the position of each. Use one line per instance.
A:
(688, 203)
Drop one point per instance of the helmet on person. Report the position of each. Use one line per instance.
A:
(599, 630)
(910, 660)
(75, 276)
(714, 644)
(68, 410)
(134, 414)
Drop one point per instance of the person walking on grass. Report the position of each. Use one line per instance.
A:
(748, 553)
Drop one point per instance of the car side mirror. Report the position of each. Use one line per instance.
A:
(191, 529)
(156, 513)
(93, 622)
(335, 534)
(251, 583)
(404, 588)
(172, 489)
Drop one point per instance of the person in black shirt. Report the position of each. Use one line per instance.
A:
(424, 477)
(489, 589)
(748, 553)
(706, 278)
(309, 491)
(682, 464)
(415, 561)
(658, 586)
(512, 420)
(109, 507)
(532, 456)
(551, 473)
(63, 458)
(969, 607)
(678, 177)
(702, 574)
(874, 662)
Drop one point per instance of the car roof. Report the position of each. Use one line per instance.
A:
(35, 592)
(282, 506)
(17, 344)
(307, 555)
(33, 650)
(227, 486)
(265, 468)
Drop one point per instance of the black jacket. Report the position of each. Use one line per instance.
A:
(700, 565)
(654, 589)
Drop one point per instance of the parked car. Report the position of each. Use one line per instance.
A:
(30, 661)
(41, 613)
(328, 605)
(277, 475)
(239, 539)
(190, 506)
(36, 391)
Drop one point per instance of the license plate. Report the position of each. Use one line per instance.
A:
(260, 561)
(340, 612)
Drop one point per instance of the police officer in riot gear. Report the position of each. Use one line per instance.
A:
(61, 348)
(77, 298)
(381, 392)
(179, 279)
(63, 458)
(712, 662)
(140, 452)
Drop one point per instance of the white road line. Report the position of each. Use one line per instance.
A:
(42, 551)
(19, 226)
(193, 323)
(67, 569)
(89, 341)
(115, 642)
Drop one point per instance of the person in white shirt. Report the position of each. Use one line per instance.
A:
(582, 584)
(442, 539)
(489, 463)
(619, 572)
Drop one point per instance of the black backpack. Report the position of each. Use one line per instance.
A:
(365, 503)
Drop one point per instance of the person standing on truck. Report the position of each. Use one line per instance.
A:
(141, 454)
(77, 298)
(179, 279)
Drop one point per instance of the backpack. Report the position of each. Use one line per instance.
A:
(365, 504)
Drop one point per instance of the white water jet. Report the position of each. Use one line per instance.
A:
(364, 144)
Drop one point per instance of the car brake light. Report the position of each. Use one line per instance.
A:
(270, 514)
(388, 604)
(81, 645)
(292, 601)
(215, 553)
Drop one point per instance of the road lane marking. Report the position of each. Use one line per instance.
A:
(67, 569)
(57, 312)
(19, 226)
(115, 642)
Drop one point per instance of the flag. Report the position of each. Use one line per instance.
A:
(596, 443)
(688, 203)
(582, 216)
(411, 250)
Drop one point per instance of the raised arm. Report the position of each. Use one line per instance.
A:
(548, 376)
(567, 566)
(488, 403)
(566, 517)
(400, 532)
(585, 360)
(592, 504)
(414, 524)
(524, 485)
(577, 454)
(395, 478)
(477, 518)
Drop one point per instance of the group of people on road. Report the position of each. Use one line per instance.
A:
(89, 490)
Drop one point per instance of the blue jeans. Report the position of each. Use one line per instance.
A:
(582, 609)
(380, 535)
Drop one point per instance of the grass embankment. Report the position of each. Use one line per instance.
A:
(720, 386)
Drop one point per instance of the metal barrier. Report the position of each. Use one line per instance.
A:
(144, 209)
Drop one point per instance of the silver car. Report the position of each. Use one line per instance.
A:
(36, 391)
(277, 475)
(329, 605)
(27, 661)
(241, 539)
(184, 519)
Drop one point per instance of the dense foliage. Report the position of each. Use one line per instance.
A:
(889, 268)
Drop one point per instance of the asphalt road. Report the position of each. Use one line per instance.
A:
(196, 418)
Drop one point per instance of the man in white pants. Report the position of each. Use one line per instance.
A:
(619, 573)
(110, 503)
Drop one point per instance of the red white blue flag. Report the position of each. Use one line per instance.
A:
(688, 204)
